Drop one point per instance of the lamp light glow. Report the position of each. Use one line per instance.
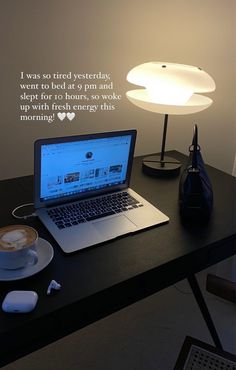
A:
(167, 93)
(169, 88)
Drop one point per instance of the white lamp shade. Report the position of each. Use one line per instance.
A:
(195, 104)
(170, 88)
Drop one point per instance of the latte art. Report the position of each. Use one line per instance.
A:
(13, 238)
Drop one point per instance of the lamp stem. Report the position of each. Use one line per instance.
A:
(164, 140)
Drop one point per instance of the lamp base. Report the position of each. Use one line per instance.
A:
(153, 166)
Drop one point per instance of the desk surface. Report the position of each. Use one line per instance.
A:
(105, 278)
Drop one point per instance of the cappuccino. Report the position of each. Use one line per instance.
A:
(16, 237)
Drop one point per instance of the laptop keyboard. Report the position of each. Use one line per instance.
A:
(73, 214)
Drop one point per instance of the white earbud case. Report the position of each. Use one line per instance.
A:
(20, 301)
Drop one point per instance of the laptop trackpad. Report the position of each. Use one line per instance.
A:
(115, 226)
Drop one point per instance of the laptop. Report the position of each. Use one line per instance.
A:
(81, 189)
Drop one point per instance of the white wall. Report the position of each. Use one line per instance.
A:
(114, 36)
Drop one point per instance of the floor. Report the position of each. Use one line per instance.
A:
(145, 336)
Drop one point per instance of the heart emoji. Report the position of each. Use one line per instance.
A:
(61, 116)
(70, 116)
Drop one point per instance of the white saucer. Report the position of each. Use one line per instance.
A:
(45, 254)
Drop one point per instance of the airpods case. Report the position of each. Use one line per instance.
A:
(20, 301)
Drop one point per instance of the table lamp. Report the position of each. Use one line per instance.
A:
(170, 88)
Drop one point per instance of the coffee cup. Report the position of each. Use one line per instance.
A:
(18, 246)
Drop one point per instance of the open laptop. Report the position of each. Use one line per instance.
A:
(82, 192)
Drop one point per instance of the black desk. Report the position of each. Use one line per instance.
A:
(103, 279)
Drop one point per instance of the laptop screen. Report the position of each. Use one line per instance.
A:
(79, 166)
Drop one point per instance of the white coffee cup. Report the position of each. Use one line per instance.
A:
(18, 246)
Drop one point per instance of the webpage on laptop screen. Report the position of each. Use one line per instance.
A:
(80, 166)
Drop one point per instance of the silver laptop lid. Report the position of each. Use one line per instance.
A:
(76, 167)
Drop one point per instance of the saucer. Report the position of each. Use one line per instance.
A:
(45, 254)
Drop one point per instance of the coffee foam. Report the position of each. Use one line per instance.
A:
(14, 238)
